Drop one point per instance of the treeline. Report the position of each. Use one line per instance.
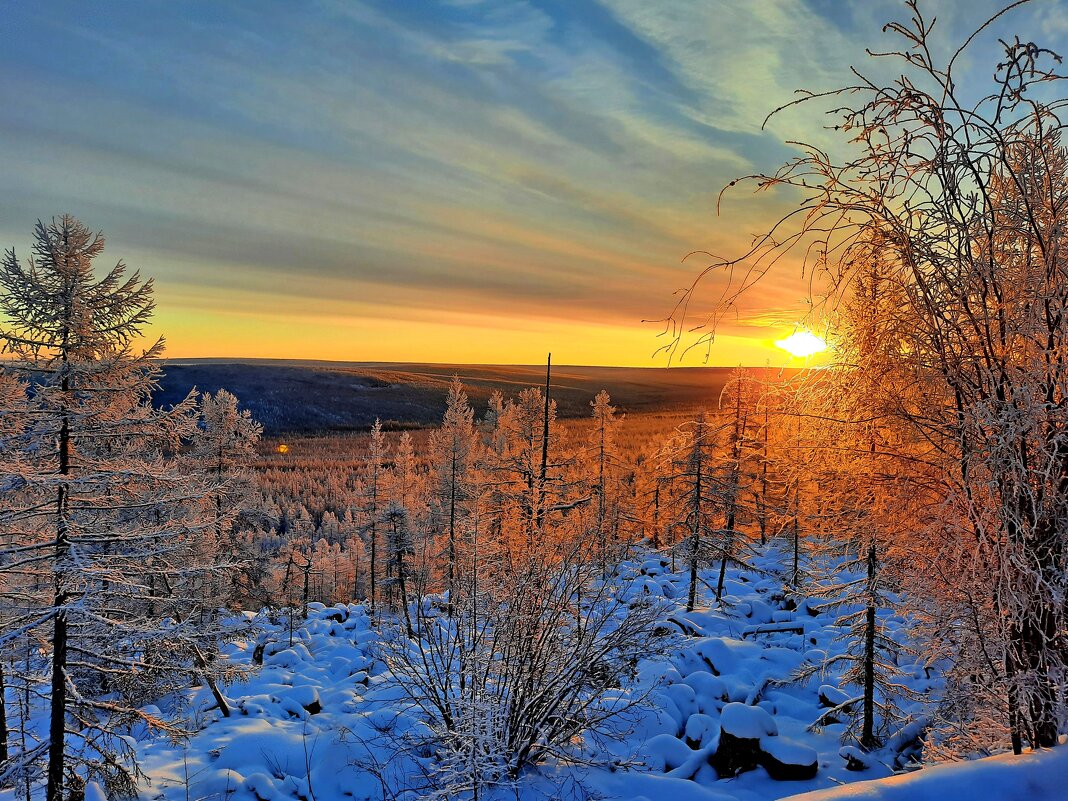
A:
(615, 483)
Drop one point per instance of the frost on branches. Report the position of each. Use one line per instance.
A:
(946, 212)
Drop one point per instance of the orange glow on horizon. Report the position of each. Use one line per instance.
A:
(471, 340)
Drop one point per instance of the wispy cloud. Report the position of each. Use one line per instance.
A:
(537, 165)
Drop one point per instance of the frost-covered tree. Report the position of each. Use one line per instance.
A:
(963, 197)
(694, 498)
(454, 453)
(605, 459)
(14, 421)
(400, 545)
(864, 507)
(766, 406)
(98, 502)
(222, 448)
(405, 484)
(524, 471)
(371, 505)
(735, 473)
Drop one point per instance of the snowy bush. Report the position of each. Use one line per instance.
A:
(510, 680)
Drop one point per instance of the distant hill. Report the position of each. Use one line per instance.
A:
(310, 396)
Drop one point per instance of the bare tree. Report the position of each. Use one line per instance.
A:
(962, 198)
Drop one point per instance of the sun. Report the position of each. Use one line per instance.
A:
(802, 344)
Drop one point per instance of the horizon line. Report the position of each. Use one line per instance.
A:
(542, 365)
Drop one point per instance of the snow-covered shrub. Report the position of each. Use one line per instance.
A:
(519, 673)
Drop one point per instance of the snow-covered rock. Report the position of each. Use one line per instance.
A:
(700, 730)
(673, 744)
(831, 696)
(741, 729)
(747, 722)
(786, 760)
(664, 753)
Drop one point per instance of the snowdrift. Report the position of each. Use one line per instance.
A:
(1036, 776)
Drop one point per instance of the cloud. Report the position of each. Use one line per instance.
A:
(399, 160)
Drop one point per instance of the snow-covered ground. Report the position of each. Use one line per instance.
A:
(1036, 776)
(320, 719)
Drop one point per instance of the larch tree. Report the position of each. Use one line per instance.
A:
(400, 545)
(371, 505)
(14, 421)
(454, 453)
(604, 456)
(865, 502)
(765, 419)
(99, 501)
(513, 465)
(694, 499)
(223, 448)
(734, 475)
(405, 477)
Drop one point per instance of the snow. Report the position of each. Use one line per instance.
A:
(833, 696)
(747, 722)
(1035, 776)
(701, 730)
(665, 753)
(788, 751)
(274, 747)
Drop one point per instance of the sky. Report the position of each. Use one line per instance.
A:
(460, 182)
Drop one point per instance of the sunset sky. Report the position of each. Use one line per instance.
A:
(454, 182)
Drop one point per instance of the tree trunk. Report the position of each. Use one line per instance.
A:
(795, 576)
(544, 471)
(57, 728)
(722, 575)
(451, 581)
(695, 537)
(762, 504)
(1041, 630)
(220, 699)
(795, 579)
(401, 580)
(372, 568)
(304, 591)
(1013, 699)
(1039, 635)
(602, 542)
(728, 533)
(867, 737)
(3, 718)
(58, 717)
(656, 517)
